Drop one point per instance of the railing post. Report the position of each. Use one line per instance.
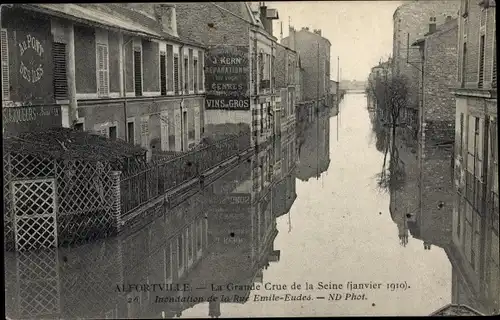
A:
(116, 206)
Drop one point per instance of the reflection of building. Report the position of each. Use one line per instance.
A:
(476, 217)
(223, 234)
(314, 148)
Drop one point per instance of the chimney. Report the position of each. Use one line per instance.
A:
(166, 16)
(318, 32)
(432, 27)
(448, 18)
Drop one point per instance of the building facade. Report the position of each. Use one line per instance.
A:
(475, 216)
(238, 99)
(117, 69)
(411, 22)
(314, 51)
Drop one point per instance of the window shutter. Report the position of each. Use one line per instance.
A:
(164, 131)
(176, 74)
(494, 74)
(60, 77)
(5, 66)
(195, 73)
(197, 124)
(102, 60)
(163, 74)
(145, 131)
(138, 72)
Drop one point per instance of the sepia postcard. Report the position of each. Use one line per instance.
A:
(250, 159)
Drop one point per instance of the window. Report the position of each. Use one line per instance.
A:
(164, 131)
(138, 72)
(78, 127)
(481, 63)
(5, 66)
(180, 251)
(170, 68)
(102, 70)
(466, 9)
(163, 74)
(494, 72)
(186, 74)
(112, 133)
(464, 63)
(461, 142)
(190, 69)
(145, 131)
(60, 78)
(200, 71)
(130, 132)
(195, 73)
(176, 74)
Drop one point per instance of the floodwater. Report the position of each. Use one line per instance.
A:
(324, 225)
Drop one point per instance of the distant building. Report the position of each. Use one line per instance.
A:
(314, 51)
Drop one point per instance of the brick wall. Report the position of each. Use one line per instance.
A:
(413, 19)
(440, 74)
(205, 23)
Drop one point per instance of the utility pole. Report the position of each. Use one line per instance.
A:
(338, 97)
(317, 117)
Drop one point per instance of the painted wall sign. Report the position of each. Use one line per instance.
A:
(23, 119)
(226, 78)
(31, 66)
(31, 53)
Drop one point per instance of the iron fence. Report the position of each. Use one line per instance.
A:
(162, 175)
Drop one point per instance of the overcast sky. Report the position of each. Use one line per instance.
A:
(360, 31)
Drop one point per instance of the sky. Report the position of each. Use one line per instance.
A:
(360, 31)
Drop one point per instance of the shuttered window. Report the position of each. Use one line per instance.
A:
(170, 68)
(195, 73)
(176, 74)
(481, 63)
(5, 66)
(138, 72)
(60, 69)
(494, 74)
(163, 74)
(144, 131)
(102, 70)
(200, 71)
(186, 74)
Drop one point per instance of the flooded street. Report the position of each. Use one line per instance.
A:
(325, 222)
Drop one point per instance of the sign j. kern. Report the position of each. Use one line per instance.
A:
(226, 78)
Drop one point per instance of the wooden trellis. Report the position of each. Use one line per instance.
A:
(34, 204)
(50, 202)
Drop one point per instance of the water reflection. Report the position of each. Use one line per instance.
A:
(423, 204)
(223, 234)
(314, 152)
